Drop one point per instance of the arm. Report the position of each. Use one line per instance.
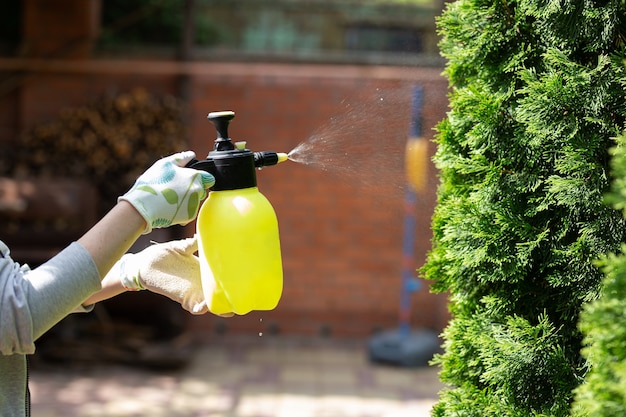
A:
(33, 301)
(170, 269)
(111, 286)
(61, 284)
(139, 210)
(112, 236)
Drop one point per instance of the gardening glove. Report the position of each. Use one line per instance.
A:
(168, 193)
(170, 269)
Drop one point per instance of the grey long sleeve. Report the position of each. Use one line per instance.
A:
(31, 302)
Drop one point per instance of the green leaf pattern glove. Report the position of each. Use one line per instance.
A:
(168, 193)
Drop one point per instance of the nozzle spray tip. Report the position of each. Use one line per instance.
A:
(282, 157)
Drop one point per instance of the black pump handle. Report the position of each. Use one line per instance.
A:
(221, 120)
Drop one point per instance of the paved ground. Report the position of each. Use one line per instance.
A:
(243, 377)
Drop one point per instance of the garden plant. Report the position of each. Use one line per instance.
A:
(603, 321)
(538, 97)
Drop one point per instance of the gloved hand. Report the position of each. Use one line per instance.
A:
(168, 193)
(170, 269)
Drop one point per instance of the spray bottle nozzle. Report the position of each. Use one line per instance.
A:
(268, 158)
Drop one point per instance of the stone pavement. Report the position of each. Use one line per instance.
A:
(242, 376)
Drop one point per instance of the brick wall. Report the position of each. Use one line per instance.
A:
(341, 227)
(341, 231)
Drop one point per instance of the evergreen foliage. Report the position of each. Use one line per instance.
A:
(537, 98)
(603, 322)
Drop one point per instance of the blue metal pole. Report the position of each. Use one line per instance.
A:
(409, 283)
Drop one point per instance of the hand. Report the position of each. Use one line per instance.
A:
(168, 193)
(170, 269)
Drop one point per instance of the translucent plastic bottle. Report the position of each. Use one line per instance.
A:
(238, 240)
(239, 250)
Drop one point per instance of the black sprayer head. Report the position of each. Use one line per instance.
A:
(221, 120)
(232, 165)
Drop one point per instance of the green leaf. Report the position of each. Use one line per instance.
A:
(170, 196)
(147, 189)
(161, 223)
(192, 205)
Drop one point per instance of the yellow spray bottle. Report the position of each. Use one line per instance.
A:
(238, 240)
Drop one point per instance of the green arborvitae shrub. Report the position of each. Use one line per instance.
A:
(537, 98)
(603, 322)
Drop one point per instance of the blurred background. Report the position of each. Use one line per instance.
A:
(93, 91)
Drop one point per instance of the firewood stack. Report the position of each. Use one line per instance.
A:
(108, 143)
(53, 176)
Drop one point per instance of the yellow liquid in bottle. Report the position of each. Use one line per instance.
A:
(239, 251)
